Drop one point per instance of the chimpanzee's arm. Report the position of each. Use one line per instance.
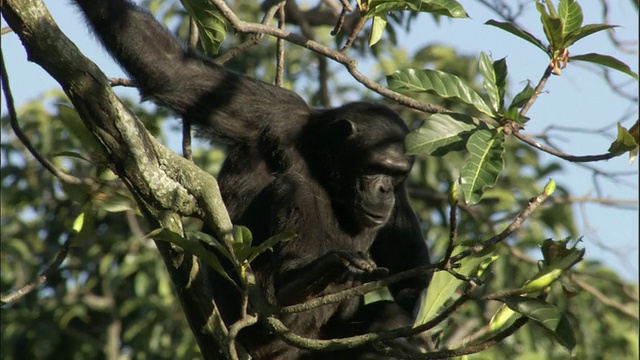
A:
(225, 105)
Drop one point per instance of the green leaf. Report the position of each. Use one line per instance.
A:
(88, 227)
(552, 272)
(522, 97)
(486, 264)
(585, 31)
(448, 8)
(210, 22)
(607, 61)
(537, 310)
(72, 154)
(134, 330)
(514, 115)
(500, 69)
(443, 285)
(623, 143)
(73, 313)
(571, 14)
(437, 82)
(542, 280)
(141, 284)
(484, 165)
(494, 75)
(112, 203)
(130, 305)
(270, 243)
(242, 239)
(192, 244)
(439, 131)
(209, 240)
(550, 187)
(382, 294)
(242, 235)
(553, 250)
(553, 27)
(510, 28)
(377, 29)
(503, 318)
(78, 223)
(489, 81)
(382, 7)
(78, 192)
(564, 334)
(552, 10)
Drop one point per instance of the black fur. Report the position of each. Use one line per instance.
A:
(335, 177)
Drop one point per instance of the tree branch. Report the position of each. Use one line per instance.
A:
(13, 120)
(165, 185)
(606, 300)
(560, 154)
(350, 63)
(46, 274)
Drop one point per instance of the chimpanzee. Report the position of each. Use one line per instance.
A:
(335, 177)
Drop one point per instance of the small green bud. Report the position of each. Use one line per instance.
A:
(550, 187)
(78, 223)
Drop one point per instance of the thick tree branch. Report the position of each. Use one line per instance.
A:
(165, 185)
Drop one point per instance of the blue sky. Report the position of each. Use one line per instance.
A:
(577, 99)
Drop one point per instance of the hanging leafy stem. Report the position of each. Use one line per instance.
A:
(481, 130)
(210, 22)
(441, 133)
(563, 28)
(377, 10)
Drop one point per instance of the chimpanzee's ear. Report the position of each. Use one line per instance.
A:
(343, 129)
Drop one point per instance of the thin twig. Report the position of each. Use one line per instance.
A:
(532, 206)
(280, 48)
(537, 91)
(560, 154)
(346, 5)
(312, 344)
(505, 12)
(605, 299)
(501, 294)
(122, 82)
(193, 34)
(192, 44)
(45, 276)
(424, 270)
(453, 226)
(254, 39)
(13, 120)
(349, 63)
(245, 321)
(516, 131)
(338, 27)
(628, 204)
(354, 34)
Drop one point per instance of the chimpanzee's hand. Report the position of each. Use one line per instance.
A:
(335, 271)
(357, 266)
